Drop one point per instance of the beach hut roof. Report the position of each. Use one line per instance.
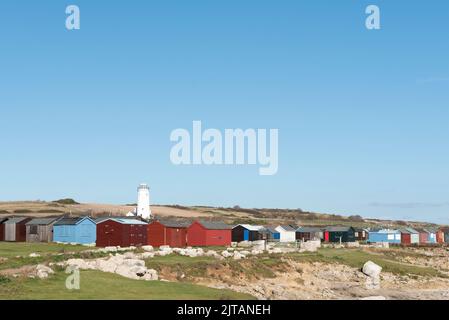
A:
(42, 221)
(71, 221)
(15, 220)
(175, 223)
(215, 225)
(251, 227)
(287, 228)
(309, 229)
(338, 229)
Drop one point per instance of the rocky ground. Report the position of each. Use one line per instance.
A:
(278, 274)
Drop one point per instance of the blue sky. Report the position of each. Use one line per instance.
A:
(362, 115)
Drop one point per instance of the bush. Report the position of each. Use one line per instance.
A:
(356, 218)
(66, 201)
(4, 280)
(23, 211)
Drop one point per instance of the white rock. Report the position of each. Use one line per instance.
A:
(310, 246)
(42, 271)
(226, 254)
(238, 256)
(133, 262)
(147, 255)
(110, 249)
(211, 253)
(355, 244)
(148, 248)
(125, 271)
(244, 244)
(371, 269)
(129, 255)
(107, 266)
(34, 255)
(163, 248)
(151, 275)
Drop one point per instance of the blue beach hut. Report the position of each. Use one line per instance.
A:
(384, 235)
(81, 230)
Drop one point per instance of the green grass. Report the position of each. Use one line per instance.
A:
(356, 258)
(106, 286)
(17, 254)
(13, 249)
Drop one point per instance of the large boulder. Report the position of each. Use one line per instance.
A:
(371, 269)
(133, 262)
(107, 266)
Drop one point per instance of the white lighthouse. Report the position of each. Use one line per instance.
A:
(143, 201)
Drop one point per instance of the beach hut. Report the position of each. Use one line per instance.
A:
(167, 233)
(360, 234)
(309, 233)
(287, 233)
(272, 234)
(2, 228)
(405, 236)
(423, 236)
(15, 229)
(246, 232)
(414, 236)
(121, 232)
(432, 234)
(440, 235)
(445, 234)
(339, 234)
(81, 230)
(206, 233)
(40, 230)
(384, 235)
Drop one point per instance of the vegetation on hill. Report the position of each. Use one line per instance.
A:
(66, 201)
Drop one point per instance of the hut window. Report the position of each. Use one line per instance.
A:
(391, 237)
(33, 229)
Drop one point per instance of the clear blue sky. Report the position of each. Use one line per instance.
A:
(363, 115)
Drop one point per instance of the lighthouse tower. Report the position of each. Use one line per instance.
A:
(143, 201)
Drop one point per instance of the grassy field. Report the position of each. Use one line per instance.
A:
(13, 249)
(107, 286)
(17, 254)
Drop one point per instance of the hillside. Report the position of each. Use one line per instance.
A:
(235, 215)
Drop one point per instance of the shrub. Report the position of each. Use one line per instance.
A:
(22, 211)
(66, 201)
